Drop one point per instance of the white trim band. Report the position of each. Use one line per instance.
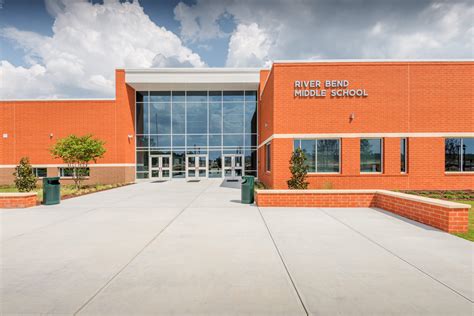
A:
(65, 165)
(368, 135)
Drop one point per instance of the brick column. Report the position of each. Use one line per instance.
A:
(391, 154)
(350, 156)
(281, 154)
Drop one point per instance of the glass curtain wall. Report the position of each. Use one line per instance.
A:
(213, 123)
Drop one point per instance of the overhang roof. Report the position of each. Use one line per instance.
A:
(193, 78)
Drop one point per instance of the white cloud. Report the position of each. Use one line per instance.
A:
(304, 29)
(200, 25)
(89, 41)
(249, 46)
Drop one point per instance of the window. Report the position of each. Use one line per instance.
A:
(459, 155)
(69, 172)
(322, 155)
(403, 155)
(207, 122)
(371, 155)
(268, 157)
(40, 172)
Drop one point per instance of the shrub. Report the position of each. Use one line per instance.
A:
(260, 185)
(25, 180)
(299, 170)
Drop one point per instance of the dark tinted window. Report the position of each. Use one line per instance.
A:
(371, 155)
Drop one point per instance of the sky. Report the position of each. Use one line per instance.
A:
(70, 48)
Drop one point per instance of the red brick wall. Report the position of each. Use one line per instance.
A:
(450, 220)
(425, 167)
(403, 98)
(30, 123)
(315, 200)
(444, 218)
(18, 201)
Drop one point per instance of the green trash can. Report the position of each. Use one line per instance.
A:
(51, 191)
(247, 188)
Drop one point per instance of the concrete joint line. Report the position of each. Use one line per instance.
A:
(139, 252)
(50, 224)
(283, 262)
(397, 256)
(59, 221)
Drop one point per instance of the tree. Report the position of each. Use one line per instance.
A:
(77, 152)
(25, 180)
(299, 170)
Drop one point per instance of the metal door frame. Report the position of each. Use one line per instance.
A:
(233, 167)
(160, 167)
(197, 168)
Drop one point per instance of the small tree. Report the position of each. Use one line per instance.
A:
(299, 170)
(77, 153)
(25, 180)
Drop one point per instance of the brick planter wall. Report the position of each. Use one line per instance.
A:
(445, 215)
(429, 212)
(17, 200)
(320, 199)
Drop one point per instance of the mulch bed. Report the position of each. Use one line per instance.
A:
(460, 195)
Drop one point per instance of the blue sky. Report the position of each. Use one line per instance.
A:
(70, 48)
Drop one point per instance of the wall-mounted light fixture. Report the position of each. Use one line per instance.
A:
(130, 136)
(50, 135)
(5, 135)
(352, 117)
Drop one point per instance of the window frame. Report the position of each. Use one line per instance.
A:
(35, 172)
(268, 157)
(405, 147)
(461, 156)
(316, 154)
(381, 157)
(74, 172)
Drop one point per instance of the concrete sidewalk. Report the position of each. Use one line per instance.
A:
(192, 248)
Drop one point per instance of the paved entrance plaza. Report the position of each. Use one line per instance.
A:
(192, 248)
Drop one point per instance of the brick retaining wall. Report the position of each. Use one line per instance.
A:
(17, 200)
(445, 215)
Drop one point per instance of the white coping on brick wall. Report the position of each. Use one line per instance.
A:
(17, 194)
(410, 197)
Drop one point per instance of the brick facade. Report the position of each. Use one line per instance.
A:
(406, 99)
(32, 127)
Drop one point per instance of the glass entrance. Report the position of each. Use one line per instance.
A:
(196, 167)
(160, 167)
(233, 167)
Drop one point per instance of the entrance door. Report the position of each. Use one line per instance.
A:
(233, 167)
(196, 167)
(160, 167)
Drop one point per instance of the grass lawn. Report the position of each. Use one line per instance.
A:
(470, 234)
(68, 191)
(459, 196)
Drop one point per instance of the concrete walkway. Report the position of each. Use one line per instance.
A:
(192, 248)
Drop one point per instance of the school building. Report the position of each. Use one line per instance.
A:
(362, 124)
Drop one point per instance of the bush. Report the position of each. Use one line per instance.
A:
(260, 185)
(25, 180)
(299, 170)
